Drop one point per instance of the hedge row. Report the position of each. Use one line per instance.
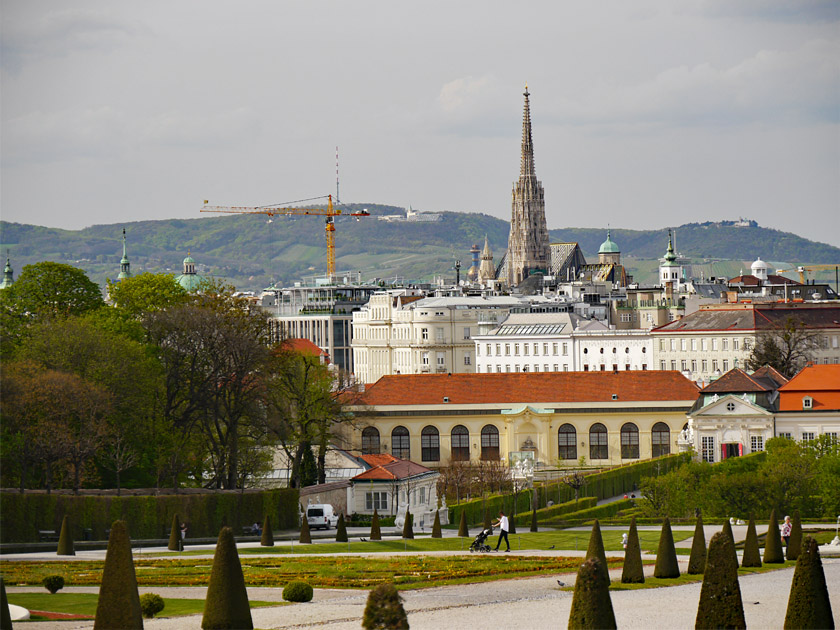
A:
(493, 504)
(22, 515)
(556, 510)
(601, 511)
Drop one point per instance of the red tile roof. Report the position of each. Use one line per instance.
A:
(305, 346)
(529, 388)
(738, 381)
(824, 378)
(388, 467)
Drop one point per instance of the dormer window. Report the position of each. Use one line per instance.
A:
(807, 402)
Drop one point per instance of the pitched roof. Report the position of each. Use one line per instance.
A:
(740, 317)
(304, 346)
(387, 467)
(815, 378)
(768, 372)
(529, 388)
(738, 381)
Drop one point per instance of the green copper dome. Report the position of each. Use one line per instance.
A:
(670, 256)
(609, 246)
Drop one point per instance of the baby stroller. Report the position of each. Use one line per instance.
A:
(479, 544)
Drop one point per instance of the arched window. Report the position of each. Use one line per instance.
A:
(400, 443)
(370, 441)
(598, 441)
(430, 444)
(567, 442)
(629, 441)
(460, 444)
(490, 443)
(660, 440)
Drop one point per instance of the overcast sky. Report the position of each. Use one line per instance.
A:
(645, 114)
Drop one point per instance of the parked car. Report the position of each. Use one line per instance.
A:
(320, 515)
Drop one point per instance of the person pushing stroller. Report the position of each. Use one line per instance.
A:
(504, 525)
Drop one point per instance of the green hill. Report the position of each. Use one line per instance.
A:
(252, 251)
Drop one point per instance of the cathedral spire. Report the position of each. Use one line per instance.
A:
(125, 266)
(526, 167)
(8, 275)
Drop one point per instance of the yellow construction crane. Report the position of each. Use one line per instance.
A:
(803, 270)
(330, 212)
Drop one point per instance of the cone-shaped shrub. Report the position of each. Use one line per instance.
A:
(463, 530)
(341, 530)
(267, 538)
(408, 526)
(436, 533)
(752, 554)
(375, 531)
(596, 550)
(720, 597)
(697, 559)
(5, 614)
(534, 526)
(666, 556)
(795, 541)
(175, 535)
(633, 571)
(119, 602)
(226, 605)
(808, 604)
(384, 609)
(591, 604)
(65, 539)
(305, 536)
(773, 552)
(727, 531)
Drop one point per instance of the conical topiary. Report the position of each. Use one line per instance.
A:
(267, 538)
(175, 535)
(697, 559)
(534, 526)
(65, 539)
(727, 531)
(375, 530)
(591, 603)
(384, 609)
(463, 530)
(226, 605)
(809, 605)
(633, 571)
(436, 533)
(773, 552)
(305, 536)
(666, 556)
(596, 549)
(119, 602)
(341, 530)
(5, 614)
(752, 554)
(720, 597)
(408, 526)
(795, 540)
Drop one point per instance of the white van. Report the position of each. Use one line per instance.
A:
(321, 515)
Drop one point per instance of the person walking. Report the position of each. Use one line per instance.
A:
(786, 527)
(504, 525)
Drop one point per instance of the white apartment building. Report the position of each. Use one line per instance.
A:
(405, 334)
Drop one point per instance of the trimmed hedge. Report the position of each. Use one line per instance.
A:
(601, 511)
(557, 510)
(22, 515)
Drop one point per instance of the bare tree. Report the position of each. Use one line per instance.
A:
(787, 347)
(575, 480)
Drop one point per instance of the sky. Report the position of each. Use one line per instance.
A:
(646, 114)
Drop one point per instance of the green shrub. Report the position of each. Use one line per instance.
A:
(297, 591)
(305, 535)
(463, 530)
(54, 583)
(809, 605)
(591, 603)
(375, 530)
(226, 604)
(697, 559)
(596, 550)
(5, 613)
(795, 541)
(666, 556)
(600, 511)
(773, 552)
(726, 530)
(752, 554)
(267, 538)
(633, 571)
(436, 533)
(175, 534)
(720, 596)
(408, 526)
(341, 530)
(559, 509)
(151, 604)
(118, 605)
(65, 540)
(384, 609)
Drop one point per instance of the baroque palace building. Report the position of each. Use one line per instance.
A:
(604, 418)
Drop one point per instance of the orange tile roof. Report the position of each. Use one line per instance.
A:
(391, 468)
(736, 380)
(529, 388)
(304, 346)
(815, 378)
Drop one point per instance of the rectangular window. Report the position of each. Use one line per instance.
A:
(625, 317)
(714, 343)
(376, 501)
(536, 349)
(694, 365)
(707, 448)
(724, 343)
(545, 349)
(661, 344)
(498, 349)
(694, 344)
(467, 359)
(466, 332)
(565, 350)
(786, 435)
(705, 365)
(425, 356)
(507, 368)
(498, 369)
(430, 446)
(555, 367)
(756, 443)
(536, 367)
(424, 334)
(663, 365)
(545, 367)
(516, 349)
(726, 365)
(684, 365)
(714, 365)
(507, 349)
(439, 334)
(518, 368)
(673, 365)
(488, 350)
(554, 349)
(704, 344)
(682, 344)
(441, 359)
(672, 344)
(807, 436)
(735, 344)
(525, 349)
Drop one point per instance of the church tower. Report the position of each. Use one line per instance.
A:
(125, 266)
(528, 249)
(487, 270)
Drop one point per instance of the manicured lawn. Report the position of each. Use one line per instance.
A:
(85, 604)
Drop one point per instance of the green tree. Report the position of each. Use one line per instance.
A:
(787, 347)
(146, 293)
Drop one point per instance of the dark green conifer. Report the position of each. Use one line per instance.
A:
(534, 526)
(773, 551)
(118, 606)
(5, 614)
(408, 526)
(305, 536)
(226, 605)
(752, 554)
(436, 533)
(375, 530)
(809, 605)
(341, 530)
(697, 559)
(267, 539)
(463, 530)
(666, 556)
(727, 531)
(384, 609)
(65, 539)
(591, 603)
(795, 541)
(720, 597)
(596, 550)
(633, 571)
(175, 535)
